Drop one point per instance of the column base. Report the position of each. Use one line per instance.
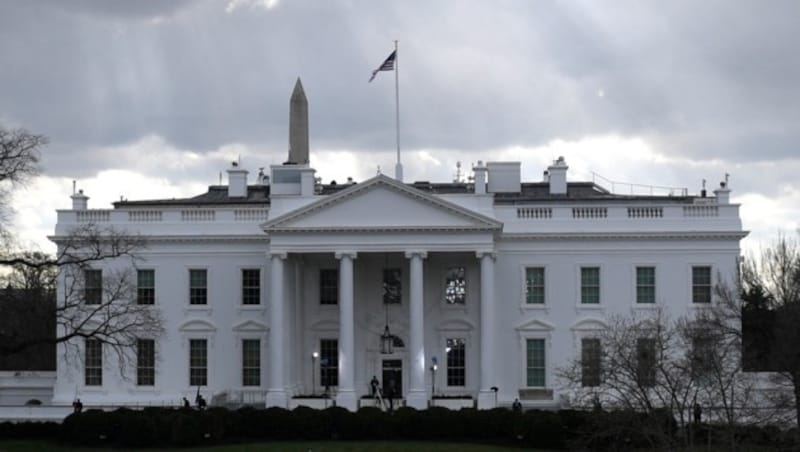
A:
(487, 399)
(417, 400)
(277, 398)
(347, 400)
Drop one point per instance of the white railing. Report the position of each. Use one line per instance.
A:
(645, 212)
(589, 212)
(535, 212)
(93, 216)
(700, 211)
(144, 216)
(250, 214)
(196, 215)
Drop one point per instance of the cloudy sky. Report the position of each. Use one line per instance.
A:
(152, 99)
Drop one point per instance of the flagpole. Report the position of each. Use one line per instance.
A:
(398, 169)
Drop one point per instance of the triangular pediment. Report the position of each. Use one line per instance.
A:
(248, 326)
(381, 203)
(536, 325)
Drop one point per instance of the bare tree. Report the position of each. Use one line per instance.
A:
(19, 162)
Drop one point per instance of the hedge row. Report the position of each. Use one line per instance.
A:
(551, 430)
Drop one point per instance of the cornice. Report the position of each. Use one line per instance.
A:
(362, 229)
(635, 235)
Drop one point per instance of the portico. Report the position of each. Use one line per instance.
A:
(397, 222)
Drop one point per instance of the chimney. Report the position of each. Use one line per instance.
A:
(723, 193)
(480, 178)
(237, 181)
(79, 201)
(558, 177)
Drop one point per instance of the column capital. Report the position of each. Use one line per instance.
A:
(282, 255)
(421, 254)
(340, 254)
(491, 254)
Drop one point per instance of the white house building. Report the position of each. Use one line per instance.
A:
(288, 287)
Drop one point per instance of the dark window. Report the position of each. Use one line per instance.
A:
(251, 362)
(93, 363)
(329, 286)
(145, 286)
(535, 362)
(251, 286)
(198, 286)
(534, 285)
(392, 286)
(701, 284)
(456, 362)
(198, 362)
(702, 355)
(590, 285)
(329, 362)
(646, 285)
(145, 362)
(646, 361)
(93, 286)
(590, 362)
(455, 291)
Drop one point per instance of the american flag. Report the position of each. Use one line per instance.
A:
(387, 65)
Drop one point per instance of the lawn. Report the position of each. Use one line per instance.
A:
(297, 446)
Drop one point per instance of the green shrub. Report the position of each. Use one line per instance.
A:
(186, 430)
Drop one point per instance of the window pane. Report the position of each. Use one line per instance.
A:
(646, 361)
(93, 286)
(329, 286)
(251, 286)
(455, 291)
(590, 285)
(456, 362)
(392, 286)
(535, 362)
(198, 362)
(145, 286)
(590, 362)
(645, 284)
(198, 291)
(93, 363)
(701, 284)
(329, 362)
(145, 362)
(534, 285)
(251, 362)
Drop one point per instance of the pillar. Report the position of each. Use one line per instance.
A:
(346, 395)
(487, 398)
(417, 395)
(276, 393)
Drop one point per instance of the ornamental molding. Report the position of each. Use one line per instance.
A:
(280, 223)
(535, 325)
(636, 235)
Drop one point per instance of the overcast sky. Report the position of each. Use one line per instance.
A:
(152, 99)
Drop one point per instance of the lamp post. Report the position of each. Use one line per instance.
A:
(434, 366)
(314, 357)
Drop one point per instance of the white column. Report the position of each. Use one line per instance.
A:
(487, 398)
(417, 395)
(276, 393)
(346, 395)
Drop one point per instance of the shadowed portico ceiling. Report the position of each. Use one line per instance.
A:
(381, 204)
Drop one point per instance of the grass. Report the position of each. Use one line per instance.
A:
(295, 446)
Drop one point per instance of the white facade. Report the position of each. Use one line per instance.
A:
(295, 230)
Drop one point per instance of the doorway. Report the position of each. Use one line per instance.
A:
(392, 378)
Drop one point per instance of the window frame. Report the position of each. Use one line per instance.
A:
(455, 372)
(582, 286)
(93, 362)
(194, 366)
(527, 286)
(637, 286)
(527, 368)
(93, 294)
(707, 288)
(387, 284)
(447, 287)
(642, 367)
(251, 364)
(591, 372)
(145, 295)
(198, 295)
(147, 371)
(329, 373)
(250, 294)
(329, 287)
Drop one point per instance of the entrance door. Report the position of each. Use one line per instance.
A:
(392, 378)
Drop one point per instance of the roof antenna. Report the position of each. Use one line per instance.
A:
(73, 186)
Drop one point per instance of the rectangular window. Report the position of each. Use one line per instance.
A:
(645, 285)
(391, 285)
(328, 286)
(590, 362)
(455, 291)
(145, 362)
(251, 286)
(701, 284)
(329, 362)
(198, 362)
(590, 285)
(646, 361)
(251, 362)
(145, 286)
(93, 286)
(534, 363)
(456, 362)
(198, 286)
(703, 355)
(93, 363)
(534, 285)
